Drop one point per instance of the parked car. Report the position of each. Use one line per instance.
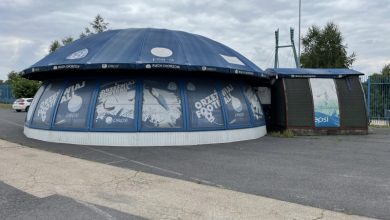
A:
(22, 104)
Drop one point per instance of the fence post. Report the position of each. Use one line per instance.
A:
(369, 98)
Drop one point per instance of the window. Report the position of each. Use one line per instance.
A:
(43, 113)
(255, 105)
(161, 105)
(73, 107)
(204, 106)
(235, 104)
(115, 105)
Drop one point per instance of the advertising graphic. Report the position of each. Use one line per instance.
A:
(254, 103)
(326, 104)
(115, 105)
(34, 102)
(161, 105)
(235, 104)
(42, 115)
(73, 108)
(204, 105)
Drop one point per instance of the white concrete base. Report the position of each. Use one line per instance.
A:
(136, 139)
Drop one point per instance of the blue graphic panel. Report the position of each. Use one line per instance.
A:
(255, 105)
(115, 105)
(43, 113)
(326, 104)
(204, 107)
(34, 103)
(73, 108)
(161, 105)
(235, 104)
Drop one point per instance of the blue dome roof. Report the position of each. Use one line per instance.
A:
(146, 48)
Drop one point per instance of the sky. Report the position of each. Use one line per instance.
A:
(27, 27)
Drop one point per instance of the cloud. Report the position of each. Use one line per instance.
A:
(28, 27)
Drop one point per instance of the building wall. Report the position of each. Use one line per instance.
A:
(145, 104)
(293, 105)
(352, 103)
(278, 106)
(299, 103)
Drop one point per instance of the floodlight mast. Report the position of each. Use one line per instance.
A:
(292, 45)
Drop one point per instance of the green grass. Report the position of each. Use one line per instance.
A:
(284, 134)
(5, 106)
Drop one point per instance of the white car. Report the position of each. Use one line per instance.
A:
(22, 104)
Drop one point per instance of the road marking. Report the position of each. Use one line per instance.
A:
(123, 159)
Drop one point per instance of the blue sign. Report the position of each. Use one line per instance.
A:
(73, 108)
(203, 104)
(115, 105)
(326, 104)
(235, 104)
(161, 105)
(45, 107)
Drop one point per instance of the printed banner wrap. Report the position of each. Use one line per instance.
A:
(161, 106)
(235, 105)
(45, 108)
(326, 104)
(204, 105)
(73, 108)
(255, 106)
(115, 105)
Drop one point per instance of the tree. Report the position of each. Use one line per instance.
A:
(386, 70)
(324, 48)
(21, 87)
(54, 46)
(11, 76)
(98, 26)
(67, 40)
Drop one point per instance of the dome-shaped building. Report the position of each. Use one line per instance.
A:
(145, 87)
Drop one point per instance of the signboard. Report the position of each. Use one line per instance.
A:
(257, 111)
(235, 104)
(43, 113)
(115, 105)
(73, 108)
(161, 105)
(203, 104)
(326, 104)
(34, 103)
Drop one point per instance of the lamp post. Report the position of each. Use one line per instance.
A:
(299, 36)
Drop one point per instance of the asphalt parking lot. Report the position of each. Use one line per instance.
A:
(349, 174)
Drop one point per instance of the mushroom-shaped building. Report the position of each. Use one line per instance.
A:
(145, 87)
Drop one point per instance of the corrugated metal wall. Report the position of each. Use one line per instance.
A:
(299, 103)
(351, 102)
(278, 108)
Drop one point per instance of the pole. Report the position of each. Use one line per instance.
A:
(293, 47)
(369, 98)
(299, 36)
(276, 48)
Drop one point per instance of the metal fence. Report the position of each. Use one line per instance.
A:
(377, 91)
(6, 94)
